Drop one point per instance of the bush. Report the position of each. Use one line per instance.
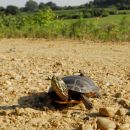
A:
(87, 15)
(97, 12)
(105, 13)
(12, 10)
(112, 12)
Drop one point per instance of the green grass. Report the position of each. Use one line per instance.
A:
(110, 19)
(105, 20)
(59, 12)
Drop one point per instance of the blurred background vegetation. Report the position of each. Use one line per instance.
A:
(106, 20)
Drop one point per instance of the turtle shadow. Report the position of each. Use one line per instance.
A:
(38, 101)
(35, 101)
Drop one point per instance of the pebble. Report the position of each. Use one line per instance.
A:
(35, 121)
(1, 121)
(128, 75)
(30, 110)
(123, 103)
(107, 111)
(125, 127)
(85, 127)
(121, 112)
(19, 111)
(128, 113)
(75, 114)
(6, 112)
(8, 83)
(108, 84)
(105, 124)
(118, 95)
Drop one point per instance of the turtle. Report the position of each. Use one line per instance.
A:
(73, 89)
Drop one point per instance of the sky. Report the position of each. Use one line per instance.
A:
(21, 3)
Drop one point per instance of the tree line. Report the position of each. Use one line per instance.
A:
(119, 4)
(30, 6)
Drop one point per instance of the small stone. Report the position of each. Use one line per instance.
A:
(18, 77)
(30, 110)
(8, 82)
(19, 111)
(123, 103)
(85, 127)
(86, 118)
(125, 127)
(6, 112)
(10, 89)
(49, 77)
(108, 84)
(75, 114)
(121, 112)
(128, 113)
(35, 121)
(107, 111)
(1, 120)
(57, 64)
(105, 124)
(118, 95)
(128, 75)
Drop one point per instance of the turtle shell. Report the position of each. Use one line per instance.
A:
(82, 84)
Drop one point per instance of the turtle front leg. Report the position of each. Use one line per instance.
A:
(86, 102)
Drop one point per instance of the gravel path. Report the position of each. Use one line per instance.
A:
(25, 66)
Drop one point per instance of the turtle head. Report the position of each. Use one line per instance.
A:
(60, 87)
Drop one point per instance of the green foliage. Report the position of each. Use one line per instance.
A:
(12, 10)
(31, 6)
(105, 13)
(107, 3)
(42, 6)
(51, 5)
(44, 17)
(44, 24)
(2, 9)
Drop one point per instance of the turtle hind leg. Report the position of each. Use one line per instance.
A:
(86, 102)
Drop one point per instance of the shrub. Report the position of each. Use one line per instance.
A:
(105, 13)
(112, 12)
(12, 10)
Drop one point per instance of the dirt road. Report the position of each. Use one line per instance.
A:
(25, 66)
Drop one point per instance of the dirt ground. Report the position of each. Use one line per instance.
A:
(25, 66)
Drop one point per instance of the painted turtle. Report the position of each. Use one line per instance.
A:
(74, 89)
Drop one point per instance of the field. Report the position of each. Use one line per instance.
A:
(45, 24)
(25, 66)
(116, 19)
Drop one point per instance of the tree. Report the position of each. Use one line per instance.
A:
(42, 6)
(11, 9)
(108, 3)
(2, 9)
(52, 5)
(31, 6)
